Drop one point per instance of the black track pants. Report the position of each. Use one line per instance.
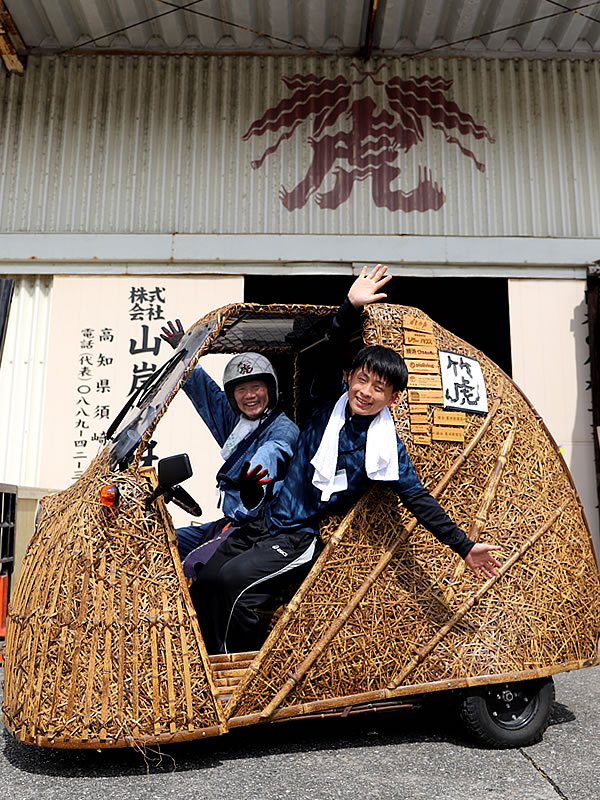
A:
(243, 574)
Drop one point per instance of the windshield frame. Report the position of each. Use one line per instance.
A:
(135, 422)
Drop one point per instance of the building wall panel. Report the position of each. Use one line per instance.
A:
(149, 144)
(23, 381)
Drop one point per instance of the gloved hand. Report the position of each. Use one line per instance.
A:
(172, 335)
(250, 483)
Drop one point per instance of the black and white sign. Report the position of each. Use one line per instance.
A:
(462, 383)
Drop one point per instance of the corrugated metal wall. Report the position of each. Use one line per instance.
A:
(22, 381)
(151, 144)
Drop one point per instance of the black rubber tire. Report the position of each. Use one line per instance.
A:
(503, 715)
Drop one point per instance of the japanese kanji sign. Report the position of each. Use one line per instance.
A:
(463, 384)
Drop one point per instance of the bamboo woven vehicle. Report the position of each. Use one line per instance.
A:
(102, 645)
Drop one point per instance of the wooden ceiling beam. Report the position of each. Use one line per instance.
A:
(10, 42)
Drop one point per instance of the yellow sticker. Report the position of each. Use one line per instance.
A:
(416, 337)
(433, 396)
(418, 381)
(418, 365)
(441, 417)
(417, 323)
(443, 433)
(421, 438)
(426, 351)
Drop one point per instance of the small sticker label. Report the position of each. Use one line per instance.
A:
(443, 433)
(425, 351)
(417, 365)
(433, 396)
(424, 381)
(421, 438)
(417, 324)
(441, 417)
(418, 338)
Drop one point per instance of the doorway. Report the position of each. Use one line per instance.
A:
(476, 309)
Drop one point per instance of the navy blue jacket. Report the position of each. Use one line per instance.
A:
(272, 448)
(298, 505)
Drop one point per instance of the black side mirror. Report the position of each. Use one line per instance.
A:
(173, 470)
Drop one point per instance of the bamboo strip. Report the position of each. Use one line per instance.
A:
(83, 607)
(121, 651)
(489, 496)
(190, 613)
(91, 665)
(107, 670)
(336, 626)
(169, 665)
(38, 598)
(140, 741)
(135, 666)
(58, 687)
(52, 612)
(155, 673)
(315, 706)
(468, 604)
(185, 658)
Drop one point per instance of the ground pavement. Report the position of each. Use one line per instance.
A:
(402, 755)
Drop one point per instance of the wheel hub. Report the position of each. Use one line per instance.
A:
(511, 707)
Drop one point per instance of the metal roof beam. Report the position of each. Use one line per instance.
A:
(367, 42)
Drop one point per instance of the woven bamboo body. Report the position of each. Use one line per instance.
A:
(103, 647)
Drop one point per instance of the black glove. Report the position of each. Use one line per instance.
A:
(172, 335)
(250, 483)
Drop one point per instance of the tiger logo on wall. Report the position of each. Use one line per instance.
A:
(373, 138)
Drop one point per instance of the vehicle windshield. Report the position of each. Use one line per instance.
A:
(141, 410)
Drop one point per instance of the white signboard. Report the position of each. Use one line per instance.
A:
(462, 383)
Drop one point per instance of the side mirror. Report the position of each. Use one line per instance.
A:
(173, 470)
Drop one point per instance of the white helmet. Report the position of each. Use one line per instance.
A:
(247, 367)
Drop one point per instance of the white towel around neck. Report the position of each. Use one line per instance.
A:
(243, 427)
(381, 453)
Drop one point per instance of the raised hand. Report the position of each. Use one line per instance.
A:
(172, 335)
(366, 288)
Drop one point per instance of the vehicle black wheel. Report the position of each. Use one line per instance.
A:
(508, 714)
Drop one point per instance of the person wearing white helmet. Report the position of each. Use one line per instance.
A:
(257, 441)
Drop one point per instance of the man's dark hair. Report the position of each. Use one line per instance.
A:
(383, 362)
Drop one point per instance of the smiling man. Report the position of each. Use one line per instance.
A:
(256, 439)
(348, 442)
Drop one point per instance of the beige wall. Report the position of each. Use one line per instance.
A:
(549, 351)
(98, 304)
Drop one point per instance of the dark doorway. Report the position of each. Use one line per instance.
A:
(476, 309)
